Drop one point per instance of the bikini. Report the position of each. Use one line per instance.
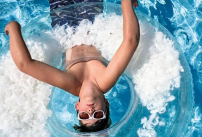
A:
(82, 53)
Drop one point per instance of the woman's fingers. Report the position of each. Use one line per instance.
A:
(6, 29)
(10, 25)
(135, 4)
(6, 32)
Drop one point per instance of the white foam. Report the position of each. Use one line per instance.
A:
(157, 78)
(103, 34)
(195, 125)
(155, 68)
(23, 100)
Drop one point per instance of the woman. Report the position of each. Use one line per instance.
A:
(86, 75)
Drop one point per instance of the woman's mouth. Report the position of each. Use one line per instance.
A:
(90, 105)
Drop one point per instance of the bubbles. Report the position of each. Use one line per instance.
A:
(196, 124)
(151, 123)
(103, 38)
(24, 99)
(185, 23)
(155, 67)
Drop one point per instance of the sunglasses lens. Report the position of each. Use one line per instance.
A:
(83, 115)
(98, 114)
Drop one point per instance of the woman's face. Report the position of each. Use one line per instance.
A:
(90, 105)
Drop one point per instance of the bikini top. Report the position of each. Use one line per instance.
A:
(82, 53)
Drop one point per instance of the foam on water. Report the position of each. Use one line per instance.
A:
(102, 34)
(155, 81)
(24, 99)
(196, 124)
(155, 75)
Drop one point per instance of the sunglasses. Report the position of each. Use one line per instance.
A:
(83, 115)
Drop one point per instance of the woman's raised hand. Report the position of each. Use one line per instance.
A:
(135, 3)
(11, 25)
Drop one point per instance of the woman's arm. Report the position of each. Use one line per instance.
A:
(131, 30)
(34, 68)
(18, 49)
(123, 55)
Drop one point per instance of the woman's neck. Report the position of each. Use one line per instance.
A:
(89, 88)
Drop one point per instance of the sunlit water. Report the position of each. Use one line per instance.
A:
(181, 18)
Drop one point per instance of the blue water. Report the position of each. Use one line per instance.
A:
(183, 18)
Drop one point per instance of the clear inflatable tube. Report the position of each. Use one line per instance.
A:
(129, 124)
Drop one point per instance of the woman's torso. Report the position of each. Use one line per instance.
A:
(84, 62)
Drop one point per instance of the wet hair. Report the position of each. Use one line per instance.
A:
(97, 126)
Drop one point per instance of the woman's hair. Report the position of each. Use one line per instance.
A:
(97, 126)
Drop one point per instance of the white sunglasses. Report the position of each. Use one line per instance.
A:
(98, 114)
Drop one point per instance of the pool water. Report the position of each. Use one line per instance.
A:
(181, 18)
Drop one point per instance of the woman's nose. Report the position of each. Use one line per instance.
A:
(91, 110)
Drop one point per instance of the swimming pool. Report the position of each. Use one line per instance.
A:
(177, 24)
